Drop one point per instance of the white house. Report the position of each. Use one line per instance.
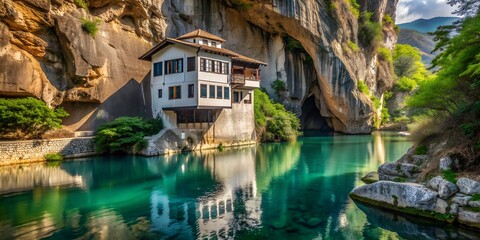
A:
(196, 84)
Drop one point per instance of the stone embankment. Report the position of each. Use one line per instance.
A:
(13, 152)
(396, 187)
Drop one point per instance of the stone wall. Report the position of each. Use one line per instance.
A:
(12, 152)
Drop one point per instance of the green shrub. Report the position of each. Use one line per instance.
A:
(82, 3)
(369, 32)
(273, 122)
(25, 118)
(421, 150)
(91, 26)
(385, 54)
(125, 134)
(353, 46)
(292, 44)
(450, 176)
(278, 86)
(363, 88)
(241, 4)
(406, 84)
(387, 20)
(354, 8)
(401, 119)
(53, 157)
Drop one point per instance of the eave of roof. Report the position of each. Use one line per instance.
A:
(220, 51)
(202, 34)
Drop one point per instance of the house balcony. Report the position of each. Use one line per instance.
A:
(243, 81)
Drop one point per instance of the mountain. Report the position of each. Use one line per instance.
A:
(420, 40)
(428, 25)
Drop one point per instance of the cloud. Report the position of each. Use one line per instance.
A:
(409, 10)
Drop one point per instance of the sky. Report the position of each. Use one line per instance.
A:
(409, 10)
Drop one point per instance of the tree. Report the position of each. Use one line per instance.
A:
(408, 67)
(25, 118)
(465, 7)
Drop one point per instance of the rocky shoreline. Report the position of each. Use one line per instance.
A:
(396, 187)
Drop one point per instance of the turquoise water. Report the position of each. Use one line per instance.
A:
(271, 191)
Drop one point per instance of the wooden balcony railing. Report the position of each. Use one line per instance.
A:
(240, 79)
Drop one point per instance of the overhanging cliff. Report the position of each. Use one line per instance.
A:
(45, 53)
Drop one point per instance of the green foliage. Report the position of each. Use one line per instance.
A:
(293, 45)
(82, 3)
(400, 179)
(475, 197)
(278, 86)
(272, 121)
(421, 150)
(450, 176)
(331, 6)
(53, 157)
(220, 147)
(405, 84)
(353, 46)
(241, 4)
(363, 88)
(385, 54)
(387, 20)
(91, 26)
(354, 7)
(125, 133)
(25, 118)
(369, 32)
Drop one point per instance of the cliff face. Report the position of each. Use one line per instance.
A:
(45, 53)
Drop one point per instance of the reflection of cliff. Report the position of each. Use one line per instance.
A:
(27, 177)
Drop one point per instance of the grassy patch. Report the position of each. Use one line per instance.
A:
(91, 26)
(354, 8)
(385, 54)
(353, 46)
(241, 4)
(472, 209)
(279, 86)
(421, 150)
(475, 197)
(82, 3)
(53, 157)
(369, 32)
(450, 176)
(363, 88)
(400, 179)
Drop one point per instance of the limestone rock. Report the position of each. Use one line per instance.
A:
(468, 186)
(435, 182)
(461, 199)
(469, 218)
(370, 178)
(399, 169)
(398, 194)
(445, 164)
(475, 204)
(441, 206)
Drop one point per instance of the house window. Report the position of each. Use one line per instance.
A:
(209, 65)
(160, 93)
(219, 92)
(224, 68)
(212, 91)
(202, 64)
(157, 69)
(214, 44)
(236, 97)
(217, 67)
(226, 92)
(203, 90)
(205, 41)
(190, 64)
(248, 99)
(174, 66)
(175, 92)
(191, 90)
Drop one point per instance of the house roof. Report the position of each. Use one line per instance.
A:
(202, 34)
(220, 51)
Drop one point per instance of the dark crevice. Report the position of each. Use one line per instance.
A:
(313, 124)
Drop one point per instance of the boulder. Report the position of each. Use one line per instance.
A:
(468, 186)
(397, 194)
(435, 182)
(469, 218)
(406, 170)
(419, 159)
(446, 164)
(461, 199)
(370, 178)
(446, 189)
(475, 204)
(441, 206)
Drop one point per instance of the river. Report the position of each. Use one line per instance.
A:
(270, 191)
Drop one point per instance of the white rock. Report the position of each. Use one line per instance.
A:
(398, 194)
(446, 164)
(461, 199)
(446, 189)
(441, 206)
(435, 182)
(468, 186)
(469, 218)
(474, 203)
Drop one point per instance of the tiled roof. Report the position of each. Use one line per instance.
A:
(202, 34)
(215, 50)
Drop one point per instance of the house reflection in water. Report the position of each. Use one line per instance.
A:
(213, 214)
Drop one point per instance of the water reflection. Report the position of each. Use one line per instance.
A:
(298, 190)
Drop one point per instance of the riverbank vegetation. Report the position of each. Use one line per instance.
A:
(125, 134)
(273, 122)
(27, 118)
(451, 100)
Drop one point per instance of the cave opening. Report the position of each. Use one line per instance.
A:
(312, 122)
